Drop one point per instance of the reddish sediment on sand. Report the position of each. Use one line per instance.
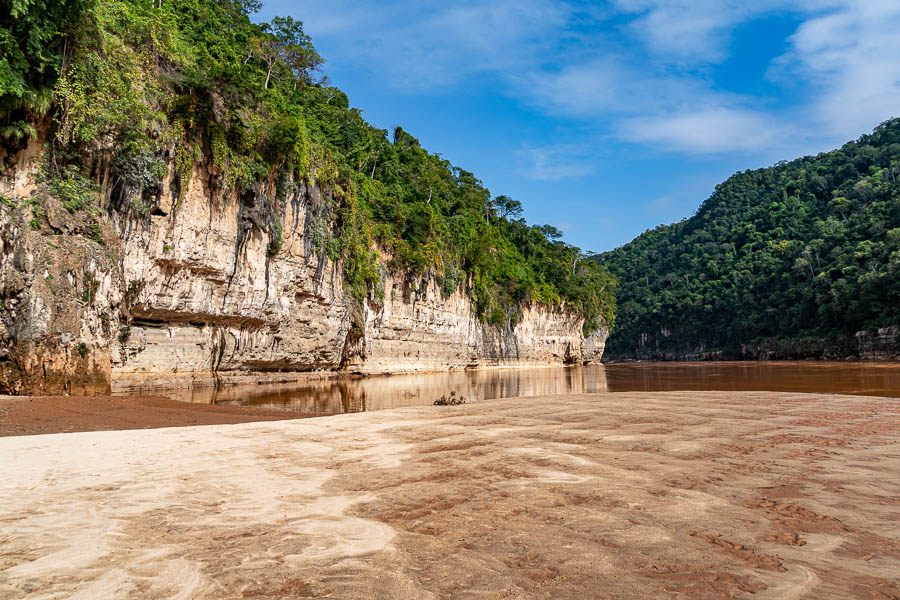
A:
(32, 415)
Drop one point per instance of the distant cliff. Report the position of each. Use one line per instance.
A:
(799, 260)
(873, 345)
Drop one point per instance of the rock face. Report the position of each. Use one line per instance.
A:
(196, 288)
(60, 291)
(418, 329)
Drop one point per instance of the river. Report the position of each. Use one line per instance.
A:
(341, 395)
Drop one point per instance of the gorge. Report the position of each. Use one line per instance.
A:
(183, 207)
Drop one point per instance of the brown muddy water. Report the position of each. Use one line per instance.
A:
(343, 395)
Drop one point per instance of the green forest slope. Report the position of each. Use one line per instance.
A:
(789, 256)
(130, 87)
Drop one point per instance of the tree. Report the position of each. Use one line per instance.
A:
(283, 42)
(551, 232)
(33, 40)
(507, 207)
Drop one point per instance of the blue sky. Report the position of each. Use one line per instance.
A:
(608, 118)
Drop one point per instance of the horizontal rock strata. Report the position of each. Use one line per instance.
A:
(193, 293)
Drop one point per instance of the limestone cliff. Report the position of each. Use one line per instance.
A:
(193, 289)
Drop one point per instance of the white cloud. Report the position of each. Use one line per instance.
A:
(851, 59)
(844, 52)
(653, 86)
(664, 110)
(556, 162)
(704, 131)
(693, 32)
(584, 89)
(844, 55)
(687, 30)
(610, 86)
(429, 46)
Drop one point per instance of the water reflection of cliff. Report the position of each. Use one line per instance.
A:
(395, 391)
(373, 393)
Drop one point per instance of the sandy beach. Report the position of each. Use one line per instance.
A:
(630, 495)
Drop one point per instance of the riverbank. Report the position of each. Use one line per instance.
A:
(631, 495)
(32, 415)
(319, 395)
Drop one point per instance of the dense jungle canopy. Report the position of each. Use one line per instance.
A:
(805, 249)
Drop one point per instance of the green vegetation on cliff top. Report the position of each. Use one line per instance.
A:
(135, 85)
(805, 249)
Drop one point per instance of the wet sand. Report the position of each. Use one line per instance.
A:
(30, 415)
(630, 495)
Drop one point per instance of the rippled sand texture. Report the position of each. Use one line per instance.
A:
(633, 495)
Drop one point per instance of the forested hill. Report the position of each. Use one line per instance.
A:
(792, 258)
(123, 89)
